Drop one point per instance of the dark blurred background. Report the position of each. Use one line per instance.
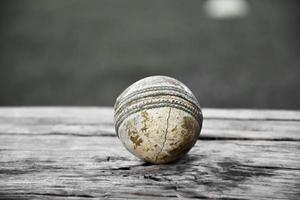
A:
(241, 54)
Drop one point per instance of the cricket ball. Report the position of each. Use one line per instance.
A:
(158, 119)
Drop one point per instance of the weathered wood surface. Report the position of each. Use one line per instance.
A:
(59, 153)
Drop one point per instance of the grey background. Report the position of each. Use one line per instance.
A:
(68, 52)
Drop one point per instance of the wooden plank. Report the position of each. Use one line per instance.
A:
(60, 166)
(91, 121)
(104, 112)
(55, 153)
(248, 114)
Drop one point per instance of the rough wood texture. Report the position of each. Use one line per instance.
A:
(59, 153)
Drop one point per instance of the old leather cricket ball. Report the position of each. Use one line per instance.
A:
(158, 119)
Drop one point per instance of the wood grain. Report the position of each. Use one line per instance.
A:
(59, 153)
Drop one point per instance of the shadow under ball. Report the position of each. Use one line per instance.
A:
(158, 119)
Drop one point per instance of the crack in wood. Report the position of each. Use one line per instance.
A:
(102, 134)
(46, 194)
(270, 167)
(201, 137)
(251, 119)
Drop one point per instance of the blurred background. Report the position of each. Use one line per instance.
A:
(230, 53)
